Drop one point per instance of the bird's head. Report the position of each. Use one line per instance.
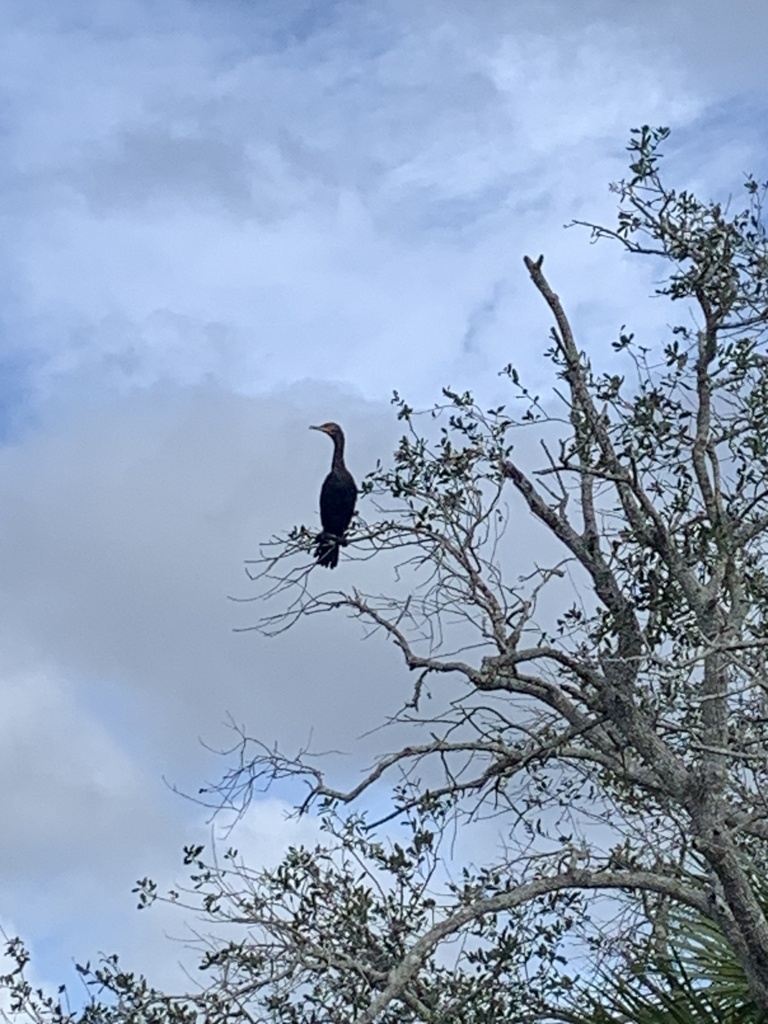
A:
(333, 430)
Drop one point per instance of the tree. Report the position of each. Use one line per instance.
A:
(607, 710)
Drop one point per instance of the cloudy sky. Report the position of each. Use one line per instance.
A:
(221, 221)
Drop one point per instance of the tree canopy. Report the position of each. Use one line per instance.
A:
(602, 715)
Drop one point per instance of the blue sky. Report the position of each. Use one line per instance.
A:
(221, 222)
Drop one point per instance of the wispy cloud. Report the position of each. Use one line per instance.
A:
(336, 196)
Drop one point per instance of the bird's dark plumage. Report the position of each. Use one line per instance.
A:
(337, 501)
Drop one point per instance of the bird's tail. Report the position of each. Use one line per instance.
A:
(327, 550)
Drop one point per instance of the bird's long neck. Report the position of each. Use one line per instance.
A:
(338, 453)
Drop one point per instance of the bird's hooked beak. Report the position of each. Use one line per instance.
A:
(321, 429)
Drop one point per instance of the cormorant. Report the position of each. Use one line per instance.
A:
(337, 501)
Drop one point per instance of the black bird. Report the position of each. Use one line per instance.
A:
(337, 501)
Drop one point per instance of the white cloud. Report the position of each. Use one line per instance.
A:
(192, 208)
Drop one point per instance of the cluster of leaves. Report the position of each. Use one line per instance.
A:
(321, 934)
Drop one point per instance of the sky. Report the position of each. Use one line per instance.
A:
(221, 222)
